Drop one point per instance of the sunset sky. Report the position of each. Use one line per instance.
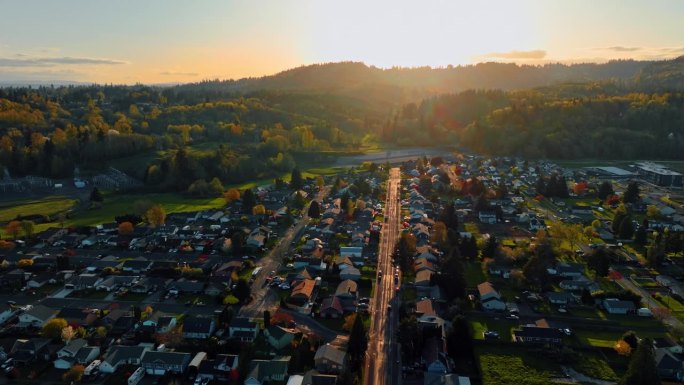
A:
(164, 41)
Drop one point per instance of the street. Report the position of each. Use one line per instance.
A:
(382, 354)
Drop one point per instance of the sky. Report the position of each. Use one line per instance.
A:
(173, 41)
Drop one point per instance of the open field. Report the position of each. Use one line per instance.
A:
(514, 365)
(48, 207)
(594, 365)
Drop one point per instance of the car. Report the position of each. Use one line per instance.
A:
(285, 286)
(562, 310)
(512, 317)
(491, 335)
(364, 300)
(566, 331)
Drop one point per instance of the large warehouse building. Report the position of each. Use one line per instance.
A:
(660, 175)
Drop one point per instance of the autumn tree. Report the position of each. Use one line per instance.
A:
(156, 216)
(6, 245)
(13, 228)
(231, 195)
(68, 333)
(605, 190)
(622, 348)
(53, 328)
(125, 228)
(75, 374)
(259, 210)
(25, 262)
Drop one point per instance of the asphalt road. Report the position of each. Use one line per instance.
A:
(381, 357)
(263, 297)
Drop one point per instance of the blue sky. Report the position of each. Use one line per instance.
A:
(155, 41)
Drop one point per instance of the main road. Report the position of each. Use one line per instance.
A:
(382, 355)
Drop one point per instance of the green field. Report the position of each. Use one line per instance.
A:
(515, 365)
(481, 324)
(473, 274)
(595, 366)
(48, 207)
(607, 339)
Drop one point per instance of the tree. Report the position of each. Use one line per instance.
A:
(631, 338)
(216, 186)
(231, 195)
(13, 228)
(6, 245)
(599, 261)
(53, 328)
(642, 368)
(626, 230)
(460, 338)
(96, 196)
(491, 248)
(25, 262)
(296, 182)
(297, 201)
(622, 348)
(75, 374)
(125, 228)
(259, 210)
(27, 227)
(68, 333)
(605, 190)
(242, 290)
(314, 210)
(640, 236)
(631, 195)
(358, 342)
(248, 201)
(652, 211)
(267, 319)
(156, 216)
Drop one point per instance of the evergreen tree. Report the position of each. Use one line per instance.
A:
(642, 368)
(449, 217)
(248, 201)
(640, 236)
(242, 290)
(267, 319)
(358, 342)
(631, 338)
(491, 248)
(626, 230)
(296, 182)
(314, 210)
(540, 186)
(631, 195)
(605, 190)
(460, 339)
(96, 195)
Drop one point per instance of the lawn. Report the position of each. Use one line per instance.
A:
(594, 365)
(514, 365)
(48, 207)
(473, 274)
(481, 324)
(607, 339)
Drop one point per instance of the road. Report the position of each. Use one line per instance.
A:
(649, 302)
(262, 297)
(382, 354)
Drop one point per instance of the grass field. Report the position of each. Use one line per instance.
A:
(594, 365)
(514, 365)
(473, 274)
(607, 339)
(48, 207)
(481, 324)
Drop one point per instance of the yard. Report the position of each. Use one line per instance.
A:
(607, 339)
(594, 365)
(474, 274)
(480, 324)
(501, 365)
(48, 207)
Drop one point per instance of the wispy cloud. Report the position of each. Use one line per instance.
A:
(533, 54)
(619, 48)
(22, 60)
(178, 73)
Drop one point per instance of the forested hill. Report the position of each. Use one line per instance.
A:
(353, 76)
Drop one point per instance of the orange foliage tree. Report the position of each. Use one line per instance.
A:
(125, 228)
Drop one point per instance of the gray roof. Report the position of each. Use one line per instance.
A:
(167, 358)
(261, 369)
(118, 353)
(330, 353)
(41, 312)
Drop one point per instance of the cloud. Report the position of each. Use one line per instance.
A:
(533, 54)
(22, 60)
(620, 48)
(178, 73)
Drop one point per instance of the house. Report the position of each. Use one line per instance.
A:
(434, 357)
(350, 273)
(667, 343)
(136, 266)
(83, 281)
(560, 298)
(569, 270)
(499, 271)
(329, 359)
(186, 286)
(52, 235)
(6, 311)
(267, 371)
(214, 289)
(488, 217)
(351, 251)
(118, 355)
(668, 365)
(159, 363)
(347, 289)
(226, 362)
(114, 282)
(198, 328)
(331, 308)
(13, 279)
(25, 351)
(40, 280)
(279, 337)
(490, 298)
(243, 329)
(579, 284)
(160, 321)
(420, 264)
(423, 278)
(616, 306)
(302, 291)
(538, 335)
(77, 317)
(37, 316)
(76, 352)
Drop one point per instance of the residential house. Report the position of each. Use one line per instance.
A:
(667, 343)
(183, 285)
(118, 355)
(538, 335)
(560, 298)
(159, 321)
(434, 357)
(6, 312)
(312, 377)
(76, 352)
(488, 217)
(83, 281)
(267, 371)
(490, 298)
(136, 266)
(114, 282)
(25, 351)
(198, 327)
(350, 273)
(40, 280)
(499, 271)
(37, 316)
(77, 317)
(420, 264)
(331, 308)
(579, 284)
(243, 329)
(347, 289)
(669, 365)
(616, 306)
(159, 363)
(329, 359)
(302, 291)
(279, 337)
(423, 278)
(569, 270)
(52, 235)
(14, 279)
